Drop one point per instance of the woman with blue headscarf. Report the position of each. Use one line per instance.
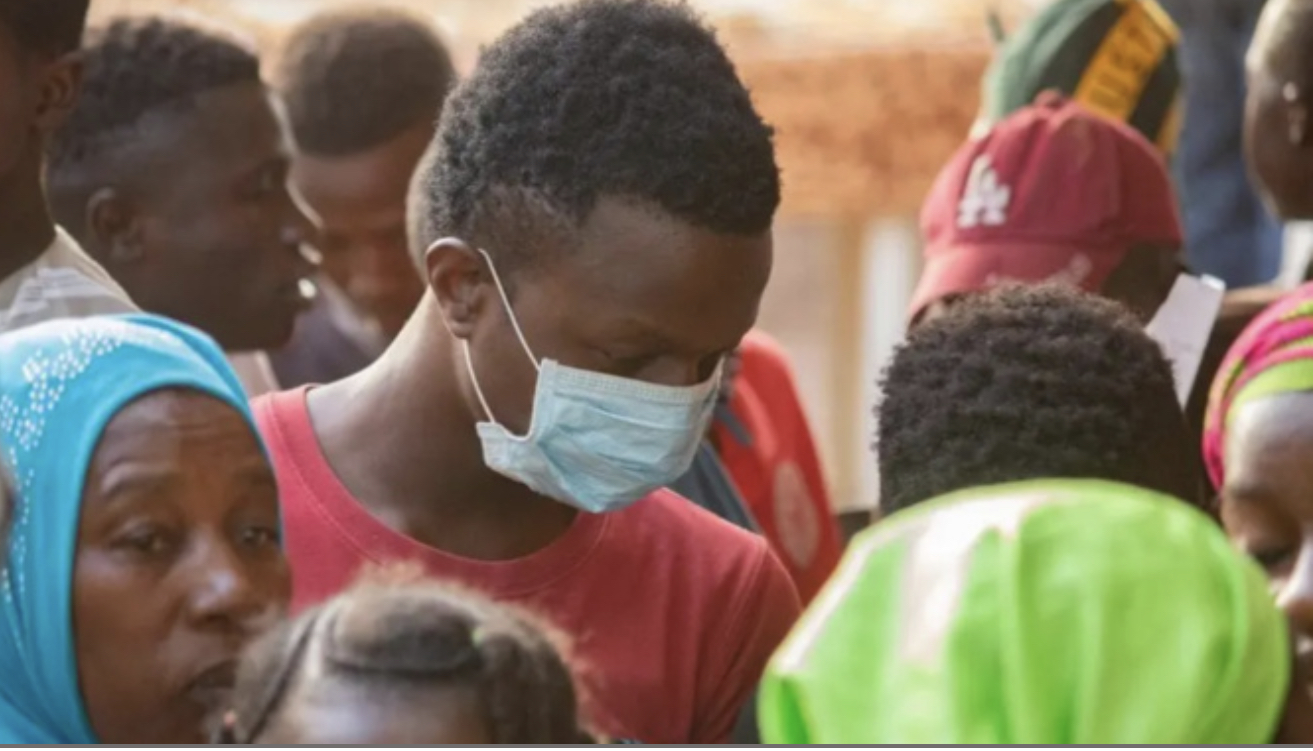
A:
(143, 551)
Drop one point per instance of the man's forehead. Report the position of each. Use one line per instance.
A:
(231, 122)
(235, 114)
(631, 227)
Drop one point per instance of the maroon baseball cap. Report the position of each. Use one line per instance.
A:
(1052, 193)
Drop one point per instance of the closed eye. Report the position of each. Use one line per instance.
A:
(1272, 559)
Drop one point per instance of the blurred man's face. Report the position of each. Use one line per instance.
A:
(222, 236)
(1278, 142)
(360, 203)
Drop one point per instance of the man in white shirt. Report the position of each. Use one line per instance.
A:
(172, 172)
(62, 281)
(43, 273)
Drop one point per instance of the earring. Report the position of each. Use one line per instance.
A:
(1296, 115)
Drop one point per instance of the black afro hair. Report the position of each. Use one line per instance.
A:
(1026, 383)
(633, 99)
(137, 65)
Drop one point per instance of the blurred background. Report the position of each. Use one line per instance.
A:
(869, 98)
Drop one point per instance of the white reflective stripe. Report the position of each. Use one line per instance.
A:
(940, 550)
(506, 301)
(933, 576)
(49, 285)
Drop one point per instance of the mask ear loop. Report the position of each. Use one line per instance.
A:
(515, 324)
(474, 379)
(506, 301)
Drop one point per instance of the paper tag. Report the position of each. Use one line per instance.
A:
(1183, 324)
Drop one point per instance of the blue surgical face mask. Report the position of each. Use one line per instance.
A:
(597, 442)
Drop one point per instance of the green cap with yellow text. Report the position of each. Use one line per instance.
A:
(1117, 58)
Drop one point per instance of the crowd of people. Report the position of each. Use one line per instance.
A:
(346, 399)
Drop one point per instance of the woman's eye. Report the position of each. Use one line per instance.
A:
(261, 537)
(146, 540)
(1273, 558)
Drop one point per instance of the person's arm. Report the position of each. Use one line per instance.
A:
(745, 730)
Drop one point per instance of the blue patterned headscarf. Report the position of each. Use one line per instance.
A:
(60, 384)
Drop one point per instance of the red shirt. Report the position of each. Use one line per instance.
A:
(777, 471)
(672, 612)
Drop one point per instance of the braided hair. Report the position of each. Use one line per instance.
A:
(399, 636)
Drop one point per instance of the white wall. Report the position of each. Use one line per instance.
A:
(838, 300)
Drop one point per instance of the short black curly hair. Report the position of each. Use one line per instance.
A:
(138, 65)
(633, 99)
(1029, 382)
(356, 78)
(45, 25)
(398, 635)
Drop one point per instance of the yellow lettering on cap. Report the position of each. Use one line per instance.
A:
(1170, 133)
(1120, 70)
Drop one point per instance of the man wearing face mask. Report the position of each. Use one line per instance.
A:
(596, 214)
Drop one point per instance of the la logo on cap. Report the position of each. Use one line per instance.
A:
(984, 199)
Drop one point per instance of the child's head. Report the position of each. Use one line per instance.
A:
(1026, 382)
(396, 663)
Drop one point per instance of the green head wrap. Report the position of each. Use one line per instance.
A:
(1050, 612)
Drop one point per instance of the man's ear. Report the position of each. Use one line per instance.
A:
(456, 273)
(114, 228)
(60, 86)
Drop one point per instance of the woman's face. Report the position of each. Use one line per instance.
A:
(1267, 503)
(178, 566)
